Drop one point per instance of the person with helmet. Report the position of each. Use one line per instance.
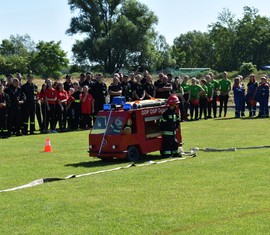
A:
(116, 127)
(169, 123)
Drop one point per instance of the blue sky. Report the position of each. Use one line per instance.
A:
(48, 20)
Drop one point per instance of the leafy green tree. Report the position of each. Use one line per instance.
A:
(16, 54)
(117, 32)
(49, 60)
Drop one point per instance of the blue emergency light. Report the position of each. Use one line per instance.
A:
(127, 107)
(107, 107)
(119, 100)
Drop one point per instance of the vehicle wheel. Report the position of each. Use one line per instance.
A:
(133, 154)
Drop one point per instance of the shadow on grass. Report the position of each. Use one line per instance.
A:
(100, 162)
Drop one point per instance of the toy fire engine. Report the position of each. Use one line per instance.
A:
(128, 130)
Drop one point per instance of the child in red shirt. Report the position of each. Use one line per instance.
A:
(87, 107)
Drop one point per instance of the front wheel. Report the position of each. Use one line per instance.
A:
(133, 154)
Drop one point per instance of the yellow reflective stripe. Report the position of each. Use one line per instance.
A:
(77, 101)
(168, 132)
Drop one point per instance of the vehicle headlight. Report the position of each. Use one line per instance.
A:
(90, 146)
(114, 147)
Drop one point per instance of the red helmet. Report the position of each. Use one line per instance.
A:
(173, 100)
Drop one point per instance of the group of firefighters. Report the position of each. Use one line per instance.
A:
(73, 104)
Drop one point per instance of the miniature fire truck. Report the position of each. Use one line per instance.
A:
(128, 130)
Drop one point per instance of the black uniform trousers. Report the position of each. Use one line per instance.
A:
(29, 111)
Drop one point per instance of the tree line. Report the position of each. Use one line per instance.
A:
(121, 33)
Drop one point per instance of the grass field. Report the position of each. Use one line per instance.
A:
(214, 193)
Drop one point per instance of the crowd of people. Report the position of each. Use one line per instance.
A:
(72, 105)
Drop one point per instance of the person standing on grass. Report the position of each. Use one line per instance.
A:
(263, 96)
(62, 97)
(195, 92)
(4, 105)
(186, 89)
(210, 91)
(203, 99)
(169, 123)
(29, 106)
(87, 104)
(251, 99)
(50, 95)
(225, 88)
(216, 87)
(239, 96)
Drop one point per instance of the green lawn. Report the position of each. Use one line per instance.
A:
(214, 193)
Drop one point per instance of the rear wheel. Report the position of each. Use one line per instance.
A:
(133, 154)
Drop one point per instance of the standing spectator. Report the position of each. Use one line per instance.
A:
(115, 88)
(225, 88)
(149, 88)
(203, 99)
(263, 96)
(138, 92)
(195, 92)
(50, 95)
(243, 105)
(178, 90)
(43, 107)
(17, 98)
(100, 93)
(9, 79)
(71, 119)
(186, 89)
(252, 89)
(68, 83)
(132, 82)
(210, 91)
(87, 104)
(88, 81)
(126, 88)
(216, 87)
(61, 107)
(29, 106)
(77, 105)
(81, 79)
(239, 96)
(4, 104)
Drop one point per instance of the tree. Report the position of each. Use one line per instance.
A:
(16, 53)
(49, 60)
(117, 31)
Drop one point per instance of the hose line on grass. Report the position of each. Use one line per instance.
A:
(48, 180)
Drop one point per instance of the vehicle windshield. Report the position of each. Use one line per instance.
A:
(114, 127)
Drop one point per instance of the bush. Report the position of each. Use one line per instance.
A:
(247, 68)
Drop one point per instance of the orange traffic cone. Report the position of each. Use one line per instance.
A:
(48, 147)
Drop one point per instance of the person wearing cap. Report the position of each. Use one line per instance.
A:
(169, 123)
(29, 106)
(4, 105)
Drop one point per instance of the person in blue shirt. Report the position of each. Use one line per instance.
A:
(239, 96)
(263, 96)
(252, 89)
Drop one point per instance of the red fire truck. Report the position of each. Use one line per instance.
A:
(128, 130)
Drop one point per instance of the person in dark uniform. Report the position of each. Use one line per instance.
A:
(99, 94)
(169, 123)
(138, 92)
(149, 88)
(17, 98)
(115, 88)
(4, 105)
(68, 83)
(29, 106)
(88, 82)
(126, 88)
(77, 105)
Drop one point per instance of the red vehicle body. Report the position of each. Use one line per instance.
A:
(143, 136)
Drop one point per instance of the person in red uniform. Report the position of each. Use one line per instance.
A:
(87, 104)
(50, 95)
(62, 97)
